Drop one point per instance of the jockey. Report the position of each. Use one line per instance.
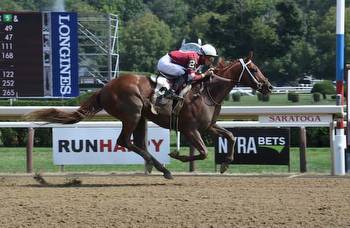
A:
(184, 65)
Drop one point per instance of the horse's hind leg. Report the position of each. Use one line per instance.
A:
(125, 140)
(195, 140)
(140, 137)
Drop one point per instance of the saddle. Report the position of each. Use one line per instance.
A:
(169, 88)
(160, 102)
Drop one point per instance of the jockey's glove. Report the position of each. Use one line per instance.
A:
(208, 73)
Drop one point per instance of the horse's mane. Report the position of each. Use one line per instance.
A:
(225, 64)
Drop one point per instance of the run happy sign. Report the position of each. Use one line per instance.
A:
(99, 146)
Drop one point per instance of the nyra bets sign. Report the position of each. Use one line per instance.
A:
(99, 146)
(265, 146)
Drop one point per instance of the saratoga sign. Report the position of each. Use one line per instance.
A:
(73, 146)
(304, 118)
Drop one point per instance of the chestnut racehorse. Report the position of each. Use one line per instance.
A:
(128, 98)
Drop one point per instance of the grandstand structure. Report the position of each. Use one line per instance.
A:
(98, 49)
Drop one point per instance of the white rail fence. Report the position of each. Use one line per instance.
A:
(290, 116)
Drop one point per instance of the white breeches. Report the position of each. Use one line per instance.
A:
(166, 66)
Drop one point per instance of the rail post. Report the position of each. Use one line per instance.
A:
(192, 166)
(302, 148)
(29, 149)
(347, 151)
(339, 139)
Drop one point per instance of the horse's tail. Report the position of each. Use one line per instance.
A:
(52, 115)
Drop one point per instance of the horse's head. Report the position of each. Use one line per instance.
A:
(245, 72)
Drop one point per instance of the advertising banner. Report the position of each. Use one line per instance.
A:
(73, 146)
(265, 146)
(296, 118)
(64, 29)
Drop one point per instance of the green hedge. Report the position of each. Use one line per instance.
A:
(262, 97)
(316, 97)
(236, 97)
(293, 97)
(325, 87)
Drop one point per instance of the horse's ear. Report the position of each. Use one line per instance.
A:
(250, 55)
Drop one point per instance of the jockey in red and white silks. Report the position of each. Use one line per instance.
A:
(179, 63)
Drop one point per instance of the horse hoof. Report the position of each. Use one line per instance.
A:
(149, 167)
(224, 167)
(174, 154)
(167, 175)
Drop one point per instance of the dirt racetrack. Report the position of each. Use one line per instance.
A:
(186, 201)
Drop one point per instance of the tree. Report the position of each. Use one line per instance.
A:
(143, 41)
(9, 5)
(80, 7)
(172, 12)
(125, 9)
(199, 26)
(290, 24)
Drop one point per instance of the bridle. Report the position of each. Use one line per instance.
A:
(244, 68)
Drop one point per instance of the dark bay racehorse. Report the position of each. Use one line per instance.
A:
(128, 98)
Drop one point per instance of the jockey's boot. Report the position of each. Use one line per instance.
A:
(177, 86)
(171, 94)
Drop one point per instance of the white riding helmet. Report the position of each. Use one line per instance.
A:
(209, 50)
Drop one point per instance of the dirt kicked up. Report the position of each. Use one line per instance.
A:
(186, 201)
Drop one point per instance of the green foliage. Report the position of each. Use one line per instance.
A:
(172, 12)
(293, 97)
(8, 5)
(143, 42)
(290, 38)
(80, 6)
(199, 25)
(324, 87)
(17, 137)
(9, 137)
(262, 97)
(289, 95)
(316, 97)
(316, 137)
(236, 97)
(43, 137)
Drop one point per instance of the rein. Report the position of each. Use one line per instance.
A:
(244, 67)
(222, 79)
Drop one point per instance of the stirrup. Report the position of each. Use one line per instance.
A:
(170, 94)
(160, 101)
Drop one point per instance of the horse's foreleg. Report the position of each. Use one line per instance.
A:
(195, 139)
(140, 136)
(219, 131)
